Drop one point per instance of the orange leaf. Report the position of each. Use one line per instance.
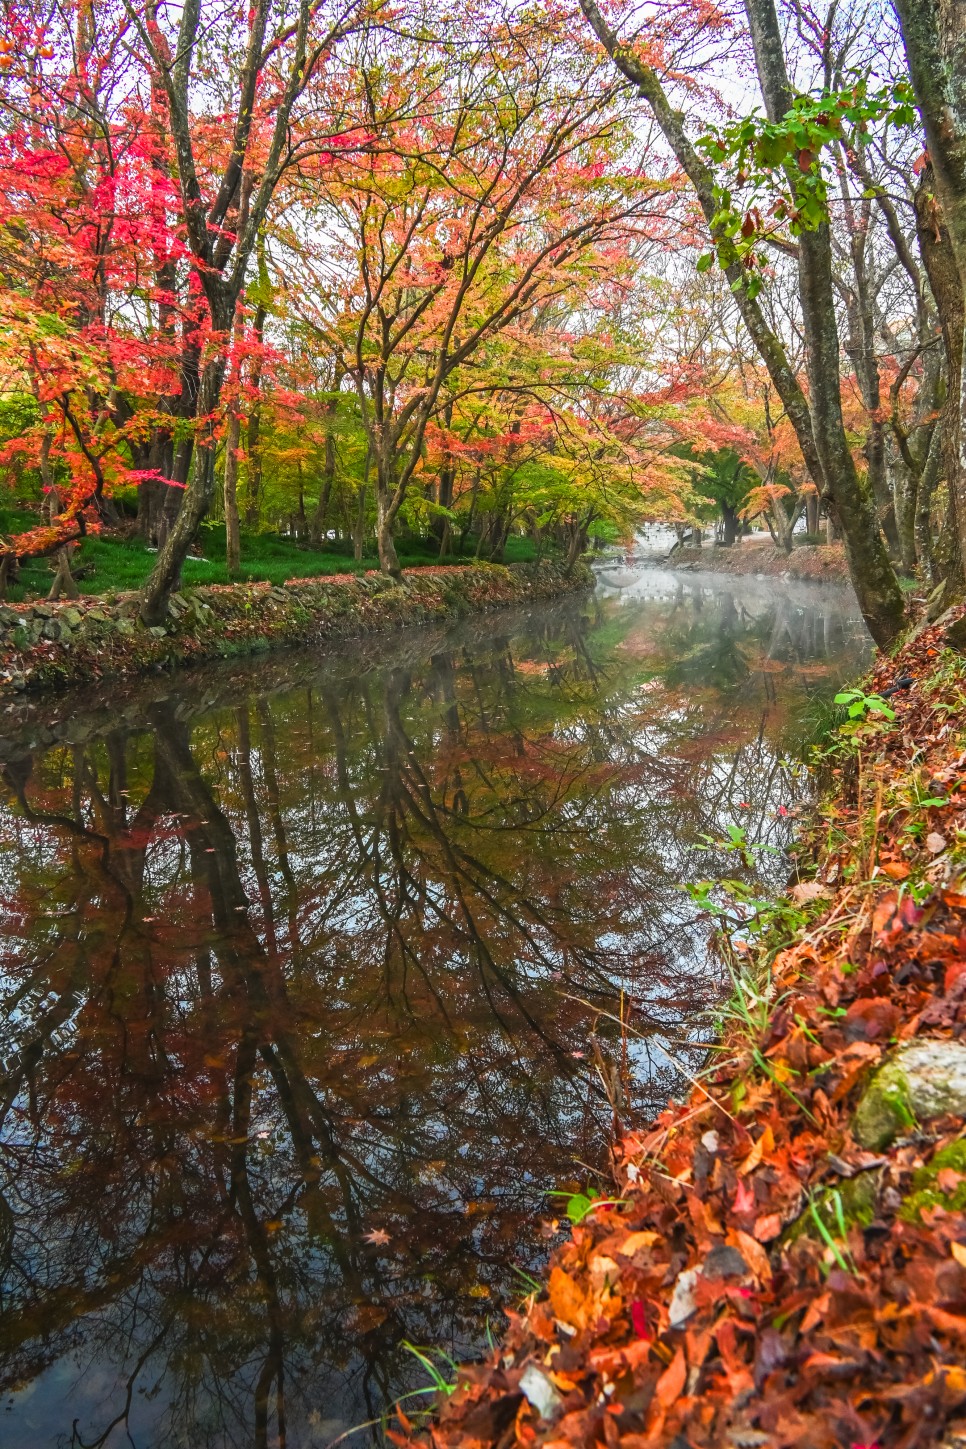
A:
(752, 1252)
(768, 1227)
(672, 1380)
(569, 1304)
(765, 1144)
(633, 1241)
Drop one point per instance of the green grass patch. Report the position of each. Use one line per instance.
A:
(118, 565)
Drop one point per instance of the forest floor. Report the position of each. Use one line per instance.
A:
(782, 1260)
(758, 555)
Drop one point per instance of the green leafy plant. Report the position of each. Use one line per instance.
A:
(843, 1258)
(440, 1384)
(580, 1205)
(776, 168)
(738, 841)
(861, 704)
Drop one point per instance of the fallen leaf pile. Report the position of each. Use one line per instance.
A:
(766, 1280)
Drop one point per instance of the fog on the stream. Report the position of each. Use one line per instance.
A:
(308, 967)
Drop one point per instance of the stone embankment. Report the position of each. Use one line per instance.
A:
(819, 563)
(54, 645)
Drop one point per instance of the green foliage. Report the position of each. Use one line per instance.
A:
(859, 704)
(777, 170)
(580, 1205)
(738, 840)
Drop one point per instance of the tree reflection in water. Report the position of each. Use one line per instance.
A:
(301, 953)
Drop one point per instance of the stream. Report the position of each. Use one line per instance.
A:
(312, 972)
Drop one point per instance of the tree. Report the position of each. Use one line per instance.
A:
(818, 421)
(224, 205)
(497, 182)
(935, 42)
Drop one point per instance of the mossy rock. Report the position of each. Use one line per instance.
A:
(920, 1080)
(955, 634)
(925, 1191)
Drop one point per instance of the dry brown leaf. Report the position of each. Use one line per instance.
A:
(808, 890)
(569, 1302)
(752, 1252)
(634, 1241)
(671, 1383)
(764, 1145)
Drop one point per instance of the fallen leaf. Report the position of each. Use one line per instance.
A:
(672, 1380)
(634, 1241)
(765, 1143)
(568, 1301)
(744, 1200)
(539, 1391)
(379, 1236)
(935, 842)
(753, 1254)
(767, 1227)
(808, 890)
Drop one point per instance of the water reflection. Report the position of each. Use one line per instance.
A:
(309, 973)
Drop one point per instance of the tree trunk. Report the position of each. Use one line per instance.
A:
(873, 576)
(388, 560)
(253, 498)
(729, 517)
(781, 524)
(63, 579)
(317, 526)
(232, 533)
(812, 506)
(359, 531)
(925, 549)
(166, 574)
(939, 259)
(904, 489)
(935, 40)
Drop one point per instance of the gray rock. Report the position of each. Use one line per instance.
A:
(955, 634)
(724, 1262)
(920, 1080)
(683, 1302)
(936, 602)
(539, 1391)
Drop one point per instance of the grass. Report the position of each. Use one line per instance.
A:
(121, 564)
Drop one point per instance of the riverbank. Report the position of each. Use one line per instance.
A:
(783, 1256)
(815, 563)
(81, 641)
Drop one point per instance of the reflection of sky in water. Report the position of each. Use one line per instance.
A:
(299, 950)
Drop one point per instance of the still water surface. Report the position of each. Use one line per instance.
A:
(309, 970)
